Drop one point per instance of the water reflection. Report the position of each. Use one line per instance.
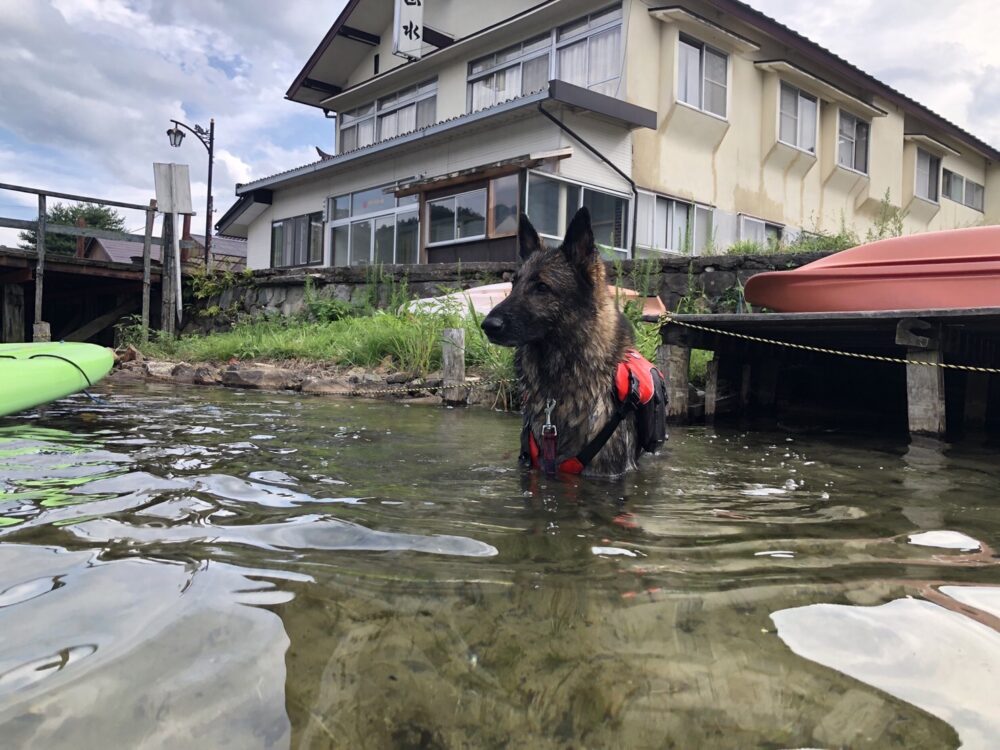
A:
(200, 567)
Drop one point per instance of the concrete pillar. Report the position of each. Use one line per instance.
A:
(674, 362)
(925, 393)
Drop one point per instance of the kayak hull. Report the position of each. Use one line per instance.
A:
(34, 374)
(955, 269)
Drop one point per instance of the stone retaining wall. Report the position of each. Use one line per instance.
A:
(706, 284)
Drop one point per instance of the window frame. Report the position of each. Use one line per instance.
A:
(490, 227)
(454, 196)
(932, 159)
(703, 49)
(582, 186)
(309, 220)
(777, 230)
(800, 95)
(565, 35)
(948, 178)
(858, 122)
(384, 106)
(400, 207)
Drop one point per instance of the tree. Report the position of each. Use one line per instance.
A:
(94, 217)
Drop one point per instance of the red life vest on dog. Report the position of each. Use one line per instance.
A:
(639, 386)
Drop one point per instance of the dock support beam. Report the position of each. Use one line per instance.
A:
(924, 382)
(674, 362)
(11, 313)
(712, 389)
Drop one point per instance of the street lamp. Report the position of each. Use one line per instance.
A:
(207, 138)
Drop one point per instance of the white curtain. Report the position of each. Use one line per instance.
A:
(689, 75)
(605, 56)
(807, 123)
(573, 64)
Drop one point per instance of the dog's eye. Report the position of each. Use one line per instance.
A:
(542, 287)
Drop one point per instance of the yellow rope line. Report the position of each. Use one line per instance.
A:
(668, 319)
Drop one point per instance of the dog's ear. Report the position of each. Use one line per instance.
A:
(528, 240)
(579, 242)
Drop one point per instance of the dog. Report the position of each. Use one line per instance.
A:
(570, 339)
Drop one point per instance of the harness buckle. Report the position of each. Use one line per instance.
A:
(550, 440)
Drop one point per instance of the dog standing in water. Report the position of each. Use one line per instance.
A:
(591, 403)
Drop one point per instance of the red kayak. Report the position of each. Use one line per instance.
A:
(957, 268)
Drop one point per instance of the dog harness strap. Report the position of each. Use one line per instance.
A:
(632, 386)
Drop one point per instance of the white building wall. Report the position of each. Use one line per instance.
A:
(490, 143)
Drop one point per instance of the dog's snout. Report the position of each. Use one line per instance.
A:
(493, 325)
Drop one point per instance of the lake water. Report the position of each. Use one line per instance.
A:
(206, 568)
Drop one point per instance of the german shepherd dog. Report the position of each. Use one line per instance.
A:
(569, 337)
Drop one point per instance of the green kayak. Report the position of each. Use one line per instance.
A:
(33, 374)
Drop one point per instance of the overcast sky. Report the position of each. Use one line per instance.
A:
(88, 87)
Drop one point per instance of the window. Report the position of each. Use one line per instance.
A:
(488, 210)
(399, 113)
(764, 233)
(457, 217)
(665, 224)
(701, 77)
(552, 203)
(961, 190)
(797, 119)
(852, 146)
(509, 73)
(928, 168)
(588, 51)
(373, 226)
(297, 241)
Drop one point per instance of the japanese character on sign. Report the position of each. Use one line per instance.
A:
(411, 30)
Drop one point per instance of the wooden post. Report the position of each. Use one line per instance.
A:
(977, 395)
(167, 276)
(453, 366)
(674, 362)
(146, 248)
(764, 390)
(712, 388)
(40, 329)
(745, 378)
(11, 313)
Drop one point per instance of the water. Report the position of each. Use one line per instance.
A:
(212, 568)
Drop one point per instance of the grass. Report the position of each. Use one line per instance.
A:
(407, 342)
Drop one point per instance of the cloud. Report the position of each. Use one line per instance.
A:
(90, 86)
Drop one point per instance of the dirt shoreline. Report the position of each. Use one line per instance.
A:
(314, 378)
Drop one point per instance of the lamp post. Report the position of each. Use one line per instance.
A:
(207, 138)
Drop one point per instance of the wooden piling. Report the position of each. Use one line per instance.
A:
(11, 313)
(453, 366)
(167, 303)
(146, 248)
(674, 362)
(40, 329)
(712, 389)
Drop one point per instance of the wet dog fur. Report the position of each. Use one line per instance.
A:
(569, 337)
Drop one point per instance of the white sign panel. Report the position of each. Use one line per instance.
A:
(173, 188)
(408, 29)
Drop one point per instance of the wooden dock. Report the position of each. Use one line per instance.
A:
(929, 371)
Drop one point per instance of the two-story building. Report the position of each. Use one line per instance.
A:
(683, 128)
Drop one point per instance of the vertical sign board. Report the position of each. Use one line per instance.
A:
(408, 29)
(173, 196)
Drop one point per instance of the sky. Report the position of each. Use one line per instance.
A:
(88, 87)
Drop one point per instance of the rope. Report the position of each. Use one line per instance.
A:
(667, 319)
